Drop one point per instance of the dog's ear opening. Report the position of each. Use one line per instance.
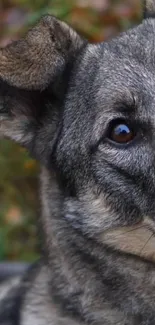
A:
(149, 8)
(28, 68)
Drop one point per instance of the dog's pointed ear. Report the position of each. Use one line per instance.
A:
(31, 69)
(149, 8)
(35, 61)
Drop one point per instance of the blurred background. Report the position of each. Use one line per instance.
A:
(97, 20)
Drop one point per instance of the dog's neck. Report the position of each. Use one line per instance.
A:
(88, 278)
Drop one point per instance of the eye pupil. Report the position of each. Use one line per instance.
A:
(121, 133)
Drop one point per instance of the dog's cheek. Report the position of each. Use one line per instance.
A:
(89, 213)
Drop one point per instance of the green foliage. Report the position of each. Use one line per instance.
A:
(18, 202)
(19, 208)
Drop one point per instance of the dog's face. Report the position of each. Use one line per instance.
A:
(106, 148)
(88, 111)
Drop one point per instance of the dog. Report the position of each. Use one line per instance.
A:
(86, 112)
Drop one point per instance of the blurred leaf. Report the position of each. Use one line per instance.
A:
(13, 216)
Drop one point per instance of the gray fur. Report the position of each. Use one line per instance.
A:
(92, 191)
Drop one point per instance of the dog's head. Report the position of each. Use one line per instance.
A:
(88, 111)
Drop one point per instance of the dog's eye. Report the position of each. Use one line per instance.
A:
(121, 133)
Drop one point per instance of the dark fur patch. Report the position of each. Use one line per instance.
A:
(11, 306)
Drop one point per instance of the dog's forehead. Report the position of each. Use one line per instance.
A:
(137, 43)
(125, 65)
(120, 71)
(128, 55)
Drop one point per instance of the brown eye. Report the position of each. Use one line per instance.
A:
(121, 133)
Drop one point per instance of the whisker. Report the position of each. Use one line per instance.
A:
(146, 243)
(129, 231)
